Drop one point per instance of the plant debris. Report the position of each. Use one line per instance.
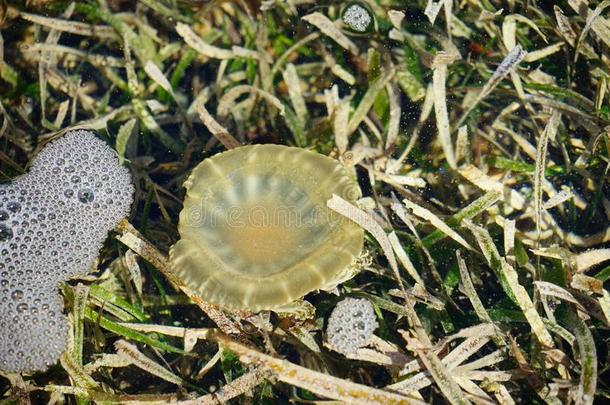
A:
(478, 131)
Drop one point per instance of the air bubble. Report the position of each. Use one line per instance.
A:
(85, 195)
(14, 207)
(6, 233)
(17, 295)
(357, 17)
(349, 316)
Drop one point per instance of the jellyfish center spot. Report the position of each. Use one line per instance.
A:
(266, 233)
(259, 225)
(263, 242)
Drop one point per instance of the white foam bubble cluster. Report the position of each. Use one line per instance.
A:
(357, 18)
(53, 222)
(351, 325)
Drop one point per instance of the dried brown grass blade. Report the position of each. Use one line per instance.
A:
(318, 383)
(590, 258)
(136, 357)
(549, 133)
(437, 222)
(510, 282)
(73, 27)
(443, 379)
(220, 132)
(509, 63)
(194, 41)
(239, 386)
(329, 29)
(132, 239)
(439, 76)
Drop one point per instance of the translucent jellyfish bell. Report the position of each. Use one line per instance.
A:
(255, 230)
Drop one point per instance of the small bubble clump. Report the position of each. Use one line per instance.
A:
(351, 325)
(53, 222)
(357, 18)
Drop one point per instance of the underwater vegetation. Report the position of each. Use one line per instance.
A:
(301, 201)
